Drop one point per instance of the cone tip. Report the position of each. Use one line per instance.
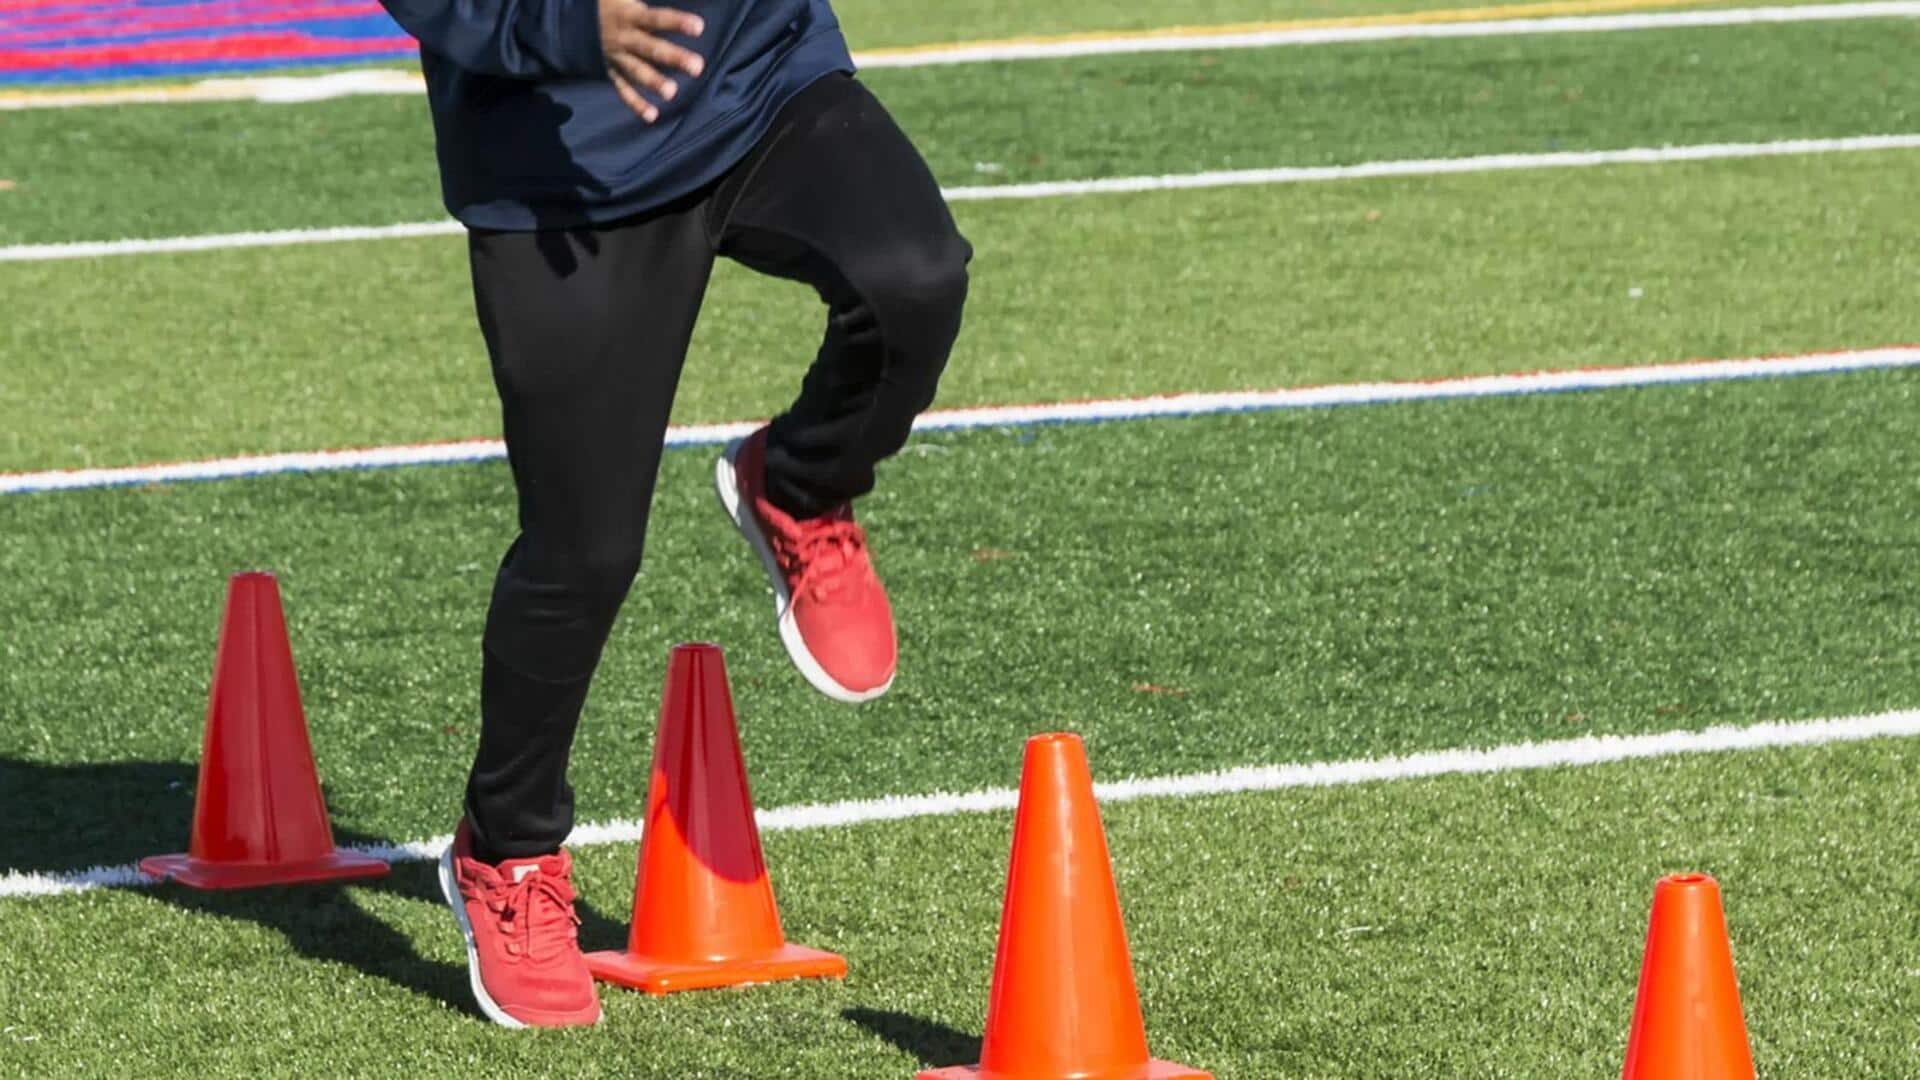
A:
(696, 648)
(1688, 881)
(1056, 749)
(1052, 738)
(253, 576)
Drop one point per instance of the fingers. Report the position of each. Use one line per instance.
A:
(638, 36)
(662, 20)
(667, 54)
(637, 54)
(641, 107)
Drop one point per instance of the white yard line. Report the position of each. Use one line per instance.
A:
(172, 245)
(1572, 159)
(266, 90)
(1430, 24)
(1199, 404)
(1592, 750)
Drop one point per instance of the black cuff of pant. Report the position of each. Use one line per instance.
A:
(485, 849)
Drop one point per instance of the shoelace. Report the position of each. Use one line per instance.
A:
(535, 913)
(822, 551)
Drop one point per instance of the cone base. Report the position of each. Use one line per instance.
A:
(202, 874)
(1152, 1070)
(660, 977)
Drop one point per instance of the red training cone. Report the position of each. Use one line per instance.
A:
(703, 911)
(258, 816)
(1686, 1016)
(1063, 1004)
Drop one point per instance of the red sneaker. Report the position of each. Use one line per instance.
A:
(523, 946)
(833, 611)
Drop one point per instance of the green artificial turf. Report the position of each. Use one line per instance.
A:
(872, 24)
(241, 166)
(1460, 926)
(1190, 593)
(142, 359)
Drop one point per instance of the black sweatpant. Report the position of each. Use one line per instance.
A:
(588, 328)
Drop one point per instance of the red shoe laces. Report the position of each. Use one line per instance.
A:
(536, 914)
(819, 553)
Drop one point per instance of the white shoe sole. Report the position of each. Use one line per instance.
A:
(450, 888)
(727, 484)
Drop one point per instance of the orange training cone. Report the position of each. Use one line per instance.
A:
(1686, 1019)
(1063, 1005)
(258, 817)
(703, 911)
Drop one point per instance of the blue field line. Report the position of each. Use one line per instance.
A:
(70, 77)
(1021, 416)
(344, 30)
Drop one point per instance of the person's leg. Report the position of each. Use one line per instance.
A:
(587, 331)
(838, 198)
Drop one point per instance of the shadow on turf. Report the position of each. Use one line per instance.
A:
(935, 1044)
(57, 818)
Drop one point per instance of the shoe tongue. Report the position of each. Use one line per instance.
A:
(518, 870)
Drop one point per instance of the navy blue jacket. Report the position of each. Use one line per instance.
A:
(531, 133)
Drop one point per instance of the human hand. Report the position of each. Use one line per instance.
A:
(630, 36)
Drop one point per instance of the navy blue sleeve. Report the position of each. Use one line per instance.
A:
(519, 39)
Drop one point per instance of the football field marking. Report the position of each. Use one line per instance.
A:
(1069, 412)
(1515, 757)
(1374, 170)
(1051, 189)
(1564, 17)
